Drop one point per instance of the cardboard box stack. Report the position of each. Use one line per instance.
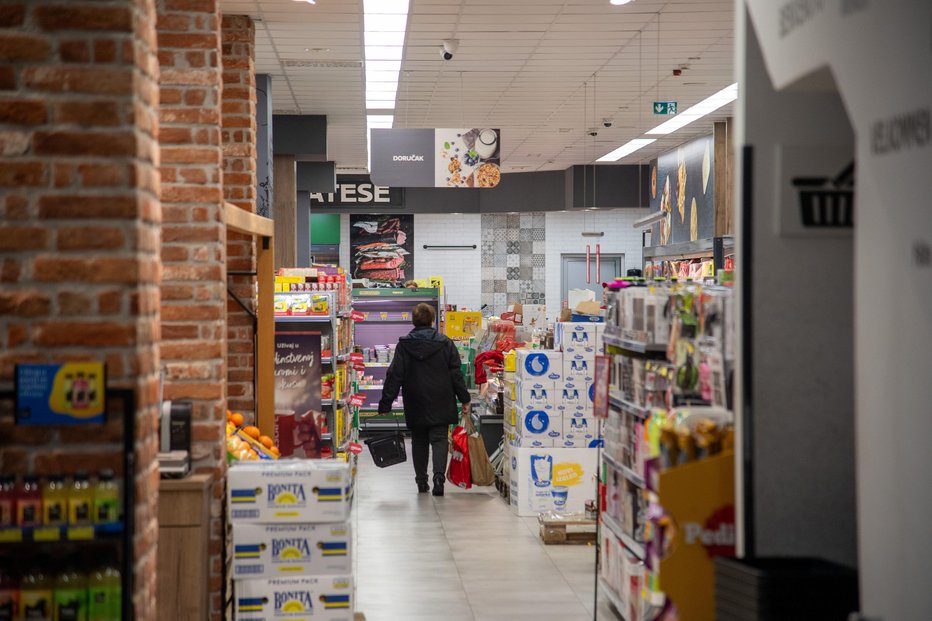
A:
(292, 541)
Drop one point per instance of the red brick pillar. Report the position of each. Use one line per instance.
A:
(194, 239)
(79, 233)
(238, 137)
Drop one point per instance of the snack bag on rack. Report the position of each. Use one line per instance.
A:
(458, 471)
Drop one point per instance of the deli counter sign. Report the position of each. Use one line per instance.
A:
(358, 191)
(436, 158)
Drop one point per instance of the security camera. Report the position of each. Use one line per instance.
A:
(448, 47)
(593, 132)
(607, 122)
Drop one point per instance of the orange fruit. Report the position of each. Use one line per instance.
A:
(237, 419)
(252, 432)
(274, 451)
(266, 441)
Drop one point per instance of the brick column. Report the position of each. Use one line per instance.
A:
(238, 137)
(79, 233)
(194, 239)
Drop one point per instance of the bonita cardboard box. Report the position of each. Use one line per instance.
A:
(277, 492)
(580, 432)
(273, 550)
(574, 399)
(539, 364)
(297, 598)
(552, 479)
(575, 337)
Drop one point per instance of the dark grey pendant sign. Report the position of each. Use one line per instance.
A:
(402, 157)
(436, 158)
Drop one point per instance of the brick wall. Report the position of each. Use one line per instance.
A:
(238, 136)
(194, 238)
(79, 231)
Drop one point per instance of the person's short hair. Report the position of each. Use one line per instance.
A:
(423, 315)
(411, 284)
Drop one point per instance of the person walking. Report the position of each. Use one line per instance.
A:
(426, 368)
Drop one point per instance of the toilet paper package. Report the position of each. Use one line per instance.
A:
(575, 337)
(539, 364)
(552, 479)
(534, 393)
(310, 598)
(578, 367)
(538, 428)
(274, 550)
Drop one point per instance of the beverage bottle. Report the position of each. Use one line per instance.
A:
(70, 597)
(29, 502)
(54, 501)
(7, 500)
(35, 596)
(106, 499)
(9, 596)
(98, 596)
(114, 583)
(80, 500)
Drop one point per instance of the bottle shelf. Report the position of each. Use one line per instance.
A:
(43, 534)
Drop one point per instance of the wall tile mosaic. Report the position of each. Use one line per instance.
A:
(513, 259)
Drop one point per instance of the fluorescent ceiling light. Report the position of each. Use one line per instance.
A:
(375, 77)
(693, 113)
(385, 7)
(380, 120)
(384, 65)
(384, 52)
(383, 39)
(386, 23)
(626, 149)
(382, 87)
(619, 2)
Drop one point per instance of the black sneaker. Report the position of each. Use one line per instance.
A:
(422, 487)
(438, 484)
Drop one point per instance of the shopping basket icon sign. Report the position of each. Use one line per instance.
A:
(826, 202)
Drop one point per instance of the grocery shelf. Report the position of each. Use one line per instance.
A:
(374, 365)
(40, 534)
(613, 597)
(303, 318)
(632, 345)
(326, 402)
(370, 387)
(626, 406)
(630, 474)
(701, 248)
(635, 548)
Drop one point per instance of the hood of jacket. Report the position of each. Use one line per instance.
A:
(422, 343)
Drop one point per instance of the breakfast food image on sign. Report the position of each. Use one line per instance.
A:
(468, 158)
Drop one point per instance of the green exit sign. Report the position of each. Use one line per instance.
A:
(664, 107)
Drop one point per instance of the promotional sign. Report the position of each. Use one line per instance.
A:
(664, 107)
(299, 420)
(381, 248)
(358, 191)
(682, 186)
(552, 479)
(70, 393)
(436, 158)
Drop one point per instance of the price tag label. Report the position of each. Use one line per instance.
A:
(361, 368)
(358, 316)
(81, 533)
(383, 316)
(355, 448)
(11, 535)
(356, 400)
(49, 533)
(355, 357)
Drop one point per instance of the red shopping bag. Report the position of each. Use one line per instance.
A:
(458, 470)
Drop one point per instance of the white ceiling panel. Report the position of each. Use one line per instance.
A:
(545, 71)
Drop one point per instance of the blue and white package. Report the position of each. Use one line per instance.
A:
(539, 364)
(580, 432)
(578, 367)
(533, 393)
(575, 337)
(538, 428)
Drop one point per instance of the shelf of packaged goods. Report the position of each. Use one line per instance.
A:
(632, 345)
(630, 474)
(41, 534)
(303, 318)
(613, 597)
(635, 548)
(370, 387)
(627, 407)
(377, 365)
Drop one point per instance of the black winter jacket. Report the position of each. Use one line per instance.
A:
(426, 367)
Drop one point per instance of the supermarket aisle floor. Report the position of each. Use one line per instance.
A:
(463, 557)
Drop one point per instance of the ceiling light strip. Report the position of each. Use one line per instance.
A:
(385, 26)
(626, 149)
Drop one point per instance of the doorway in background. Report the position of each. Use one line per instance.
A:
(574, 272)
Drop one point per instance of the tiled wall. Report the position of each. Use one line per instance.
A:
(459, 268)
(513, 259)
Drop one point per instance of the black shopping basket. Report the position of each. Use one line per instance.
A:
(388, 449)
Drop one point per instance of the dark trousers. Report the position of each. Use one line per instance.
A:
(434, 437)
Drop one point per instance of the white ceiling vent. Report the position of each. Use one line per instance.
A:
(324, 64)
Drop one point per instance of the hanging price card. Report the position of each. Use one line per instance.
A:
(356, 400)
(355, 356)
(355, 448)
(358, 316)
